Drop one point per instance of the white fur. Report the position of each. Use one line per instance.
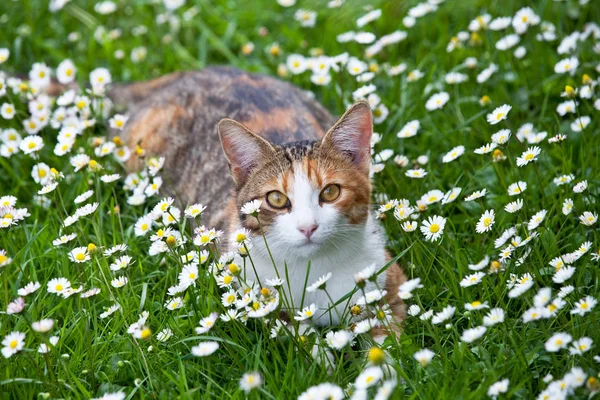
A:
(336, 246)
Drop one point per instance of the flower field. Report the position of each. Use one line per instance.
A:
(486, 158)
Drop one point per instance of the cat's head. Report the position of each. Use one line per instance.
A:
(314, 193)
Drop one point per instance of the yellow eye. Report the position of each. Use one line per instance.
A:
(330, 193)
(277, 200)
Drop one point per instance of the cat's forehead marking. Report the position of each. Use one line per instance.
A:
(296, 151)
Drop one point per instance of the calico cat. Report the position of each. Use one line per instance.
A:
(283, 148)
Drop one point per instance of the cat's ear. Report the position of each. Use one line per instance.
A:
(244, 149)
(351, 135)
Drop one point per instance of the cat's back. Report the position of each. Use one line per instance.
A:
(176, 116)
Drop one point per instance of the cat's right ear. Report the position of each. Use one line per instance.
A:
(243, 149)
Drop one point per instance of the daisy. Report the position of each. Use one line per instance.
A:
(31, 144)
(437, 101)
(164, 335)
(576, 126)
(567, 65)
(498, 388)
(249, 381)
(453, 154)
(118, 121)
(110, 178)
(252, 207)
(207, 323)
(476, 195)
(66, 71)
(58, 285)
(588, 218)
(581, 346)
(580, 187)
(338, 340)
(26, 290)
(480, 265)
(319, 284)
(472, 279)
(42, 326)
(514, 206)
(470, 335)
(79, 255)
(323, 391)
(433, 227)
(409, 130)
(13, 343)
(306, 313)
(476, 305)
(528, 156)
(499, 114)
(416, 173)
(584, 305)
(204, 349)
(557, 342)
(194, 210)
(517, 188)
(424, 357)
(451, 195)
(486, 222)
(110, 310)
(567, 206)
(443, 315)
(409, 226)
(485, 149)
(86, 210)
(536, 220)
(495, 316)
(368, 378)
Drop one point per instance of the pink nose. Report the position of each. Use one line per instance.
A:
(308, 230)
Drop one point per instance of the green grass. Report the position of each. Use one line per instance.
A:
(95, 355)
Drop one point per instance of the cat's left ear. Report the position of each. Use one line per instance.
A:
(351, 135)
(244, 149)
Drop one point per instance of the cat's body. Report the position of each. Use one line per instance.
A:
(176, 116)
(313, 180)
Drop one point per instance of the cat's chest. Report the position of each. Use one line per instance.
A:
(299, 274)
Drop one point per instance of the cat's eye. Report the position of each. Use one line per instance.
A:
(277, 200)
(330, 193)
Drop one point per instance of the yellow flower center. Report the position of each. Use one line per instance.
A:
(499, 116)
(31, 145)
(434, 228)
(227, 279)
(309, 313)
(529, 157)
(144, 227)
(487, 221)
(80, 257)
(3, 258)
(145, 334)
(476, 304)
(59, 287)
(13, 344)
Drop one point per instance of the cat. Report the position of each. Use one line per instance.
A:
(281, 147)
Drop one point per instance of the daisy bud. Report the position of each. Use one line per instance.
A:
(592, 384)
(569, 91)
(97, 141)
(139, 151)
(265, 292)
(475, 39)
(116, 209)
(373, 67)
(117, 140)
(586, 80)
(145, 333)
(355, 310)
(234, 269)
(282, 71)
(120, 364)
(43, 396)
(54, 173)
(485, 100)
(448, 327)
(380, 315)
(248, 48)
(171, 241)
(376, 355)
(495, 266)
(303, 339)
(92, 248)
(94, 166)
(498, 155)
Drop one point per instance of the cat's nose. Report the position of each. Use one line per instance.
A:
(308, 230)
